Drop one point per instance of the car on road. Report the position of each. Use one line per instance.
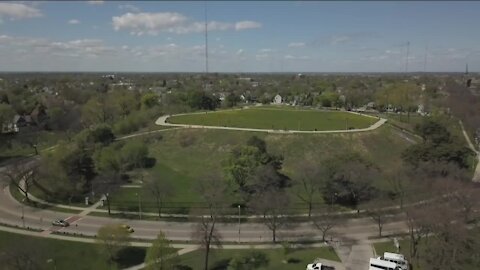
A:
(127, 228)
(61, 223)
(319, 266)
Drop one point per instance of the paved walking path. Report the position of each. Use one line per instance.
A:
(162, 121)
(476, 173)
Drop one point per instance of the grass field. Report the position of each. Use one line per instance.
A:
(220, 258)
(282, 118)
(182, 165)
(61, 254)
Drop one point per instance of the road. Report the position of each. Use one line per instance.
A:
(351, 236)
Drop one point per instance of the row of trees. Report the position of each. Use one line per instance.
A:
(92, 159)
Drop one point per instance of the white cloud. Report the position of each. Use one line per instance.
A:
(335, 40)
(243, 25)
(296, 44)
(266, 50)
(240, 52)
(44, 47)
(170, 22)
(261, 56)
(129, 7)
(18, 11)
(96, 2)
(392, 52)
(73, 21)
(292, 57)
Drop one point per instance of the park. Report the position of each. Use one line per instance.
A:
(277, 118)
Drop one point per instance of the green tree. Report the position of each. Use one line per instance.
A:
(149, 100)
(161, 255)
(107, 160)
(438, 146)
(134, 153)
(350, 177)
(112, 239)
(6, 114)
(98, 110)
(231, 100)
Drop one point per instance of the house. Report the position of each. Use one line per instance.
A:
(277, 99)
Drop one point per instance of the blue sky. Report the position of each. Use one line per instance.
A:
(243, 36)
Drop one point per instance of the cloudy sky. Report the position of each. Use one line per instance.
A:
(243, 36)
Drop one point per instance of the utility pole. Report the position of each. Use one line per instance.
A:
(239, 223)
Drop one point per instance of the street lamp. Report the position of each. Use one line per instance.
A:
(54, 263)
(23, 213)
(239, 207)
(139, 205)
(333, 197)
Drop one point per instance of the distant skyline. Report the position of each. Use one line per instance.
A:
(285, 36)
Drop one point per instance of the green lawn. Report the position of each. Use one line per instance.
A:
(64, 254)
(277, 118)
(301, 257)
(182, 166)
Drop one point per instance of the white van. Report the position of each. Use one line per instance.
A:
(399, 259)
(377, 264)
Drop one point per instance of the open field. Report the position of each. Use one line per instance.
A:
(62, 254)
(281, 118)
(301, 257)
(183, 164)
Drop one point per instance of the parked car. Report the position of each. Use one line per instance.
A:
(319, 266)
(61, 223)
(128, 228)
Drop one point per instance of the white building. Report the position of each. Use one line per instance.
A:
(277, 99)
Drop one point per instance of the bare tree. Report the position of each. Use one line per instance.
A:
(308, 182)
(273, 206)
(212, 189)
(466, 198)
(325, 222)
(160, 190)
(418, 227)
(19, 173)
(377, 212)
(399, 181)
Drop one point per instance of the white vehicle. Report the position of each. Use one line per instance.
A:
(318, 266)
(399, 259)
(377, 264)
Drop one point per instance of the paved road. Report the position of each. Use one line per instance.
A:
(162, 121)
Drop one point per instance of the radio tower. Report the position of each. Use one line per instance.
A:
(406, 61)
(425, 60)
(206, 47)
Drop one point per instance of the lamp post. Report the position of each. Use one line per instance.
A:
(139, 205)
(108, 202)
(333, 197)
(23, 213)
(54, 263)
(239, 207)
